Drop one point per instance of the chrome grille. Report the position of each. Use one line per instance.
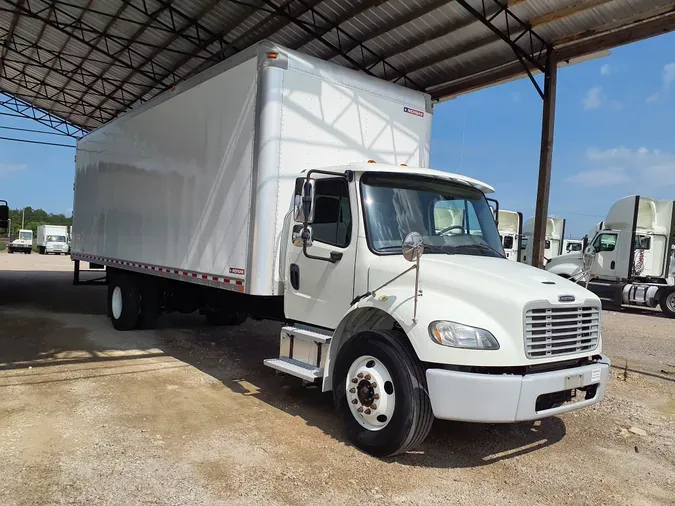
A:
(557, 331)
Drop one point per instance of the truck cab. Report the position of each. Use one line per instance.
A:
(510, 227)
(23, 243)
(404, 305)
(553, 246)
(629, 258)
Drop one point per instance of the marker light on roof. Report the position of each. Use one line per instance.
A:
(404, 165)
(273, 56)
(372, 161)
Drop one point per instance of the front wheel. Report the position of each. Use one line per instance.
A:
(667, 303)
(380, 393)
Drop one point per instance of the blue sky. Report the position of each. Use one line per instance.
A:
(614, 136)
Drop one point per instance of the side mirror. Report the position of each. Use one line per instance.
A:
(300, 235)
(308, 200)
(589, 251)
(413, 247)
(494, 207)
(4, 215)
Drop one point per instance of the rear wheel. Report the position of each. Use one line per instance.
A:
(380, 393)
(10, 250)
(124, 302)
(149, 304)
(667, 303)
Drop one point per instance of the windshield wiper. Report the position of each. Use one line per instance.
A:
(484, 247)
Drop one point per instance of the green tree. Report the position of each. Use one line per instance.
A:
(34, 218)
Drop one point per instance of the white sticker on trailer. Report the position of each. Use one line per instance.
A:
(595, 375)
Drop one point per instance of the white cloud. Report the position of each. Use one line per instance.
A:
(600, 177)
(668, 77)
(594, 98)
(8, 168)
(642, 167)
(605, 70)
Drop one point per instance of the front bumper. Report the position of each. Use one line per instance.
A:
(20, 246)
(505, 398)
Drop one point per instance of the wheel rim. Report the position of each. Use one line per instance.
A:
(370, 393)
(117, 303)
(670, 301)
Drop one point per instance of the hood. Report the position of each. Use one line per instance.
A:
(484, 292)
(517, 281)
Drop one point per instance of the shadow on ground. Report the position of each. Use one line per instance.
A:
(233, 355)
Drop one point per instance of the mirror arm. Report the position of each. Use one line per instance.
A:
(334, 258)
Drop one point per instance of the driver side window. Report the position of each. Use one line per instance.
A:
(605, 242)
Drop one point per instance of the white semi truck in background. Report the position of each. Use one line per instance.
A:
(553, 246)
(52, 239)
(510, 226)
(630, 260)
(236, 195)
(23, 243)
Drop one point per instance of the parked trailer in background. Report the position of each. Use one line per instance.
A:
(234, 196)
(630, 260)
(511, 232)
(555, 232)
(52, 239)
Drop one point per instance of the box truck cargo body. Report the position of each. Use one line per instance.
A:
(278, 186)
(199, 180)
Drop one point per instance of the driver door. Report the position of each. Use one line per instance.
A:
(605, 254)
(318, 291)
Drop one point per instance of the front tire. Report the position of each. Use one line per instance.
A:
(124, 302)
(392, 413)
(667, 303)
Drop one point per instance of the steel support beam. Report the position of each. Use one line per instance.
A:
(545, 159)
(25, 110)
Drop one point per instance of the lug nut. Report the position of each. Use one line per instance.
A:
(352, 390)
(355, 401)
(373, 407)
(367, 376)
(354, 380)
(359, 375)
(367, 412)
(373, 384)
(359, 409)
(376, 396)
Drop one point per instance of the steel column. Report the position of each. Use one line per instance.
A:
(545, 158)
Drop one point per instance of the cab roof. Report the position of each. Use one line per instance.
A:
(403, 169)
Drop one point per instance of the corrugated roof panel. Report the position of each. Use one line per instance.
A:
(151, 42)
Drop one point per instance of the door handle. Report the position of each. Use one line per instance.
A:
(611, 266)
(295, 276)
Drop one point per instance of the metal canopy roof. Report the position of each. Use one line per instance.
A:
(83, 62)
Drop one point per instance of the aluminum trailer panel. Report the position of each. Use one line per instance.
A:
(198, 181)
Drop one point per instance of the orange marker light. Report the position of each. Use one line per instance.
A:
(404, 165)
(273, 56)
(372, 161)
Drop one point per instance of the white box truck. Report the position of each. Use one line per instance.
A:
(630, 258)
(278, 186)
(52, 239)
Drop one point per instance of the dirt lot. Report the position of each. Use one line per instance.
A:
(188, 414)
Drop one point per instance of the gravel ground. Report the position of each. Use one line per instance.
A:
(187, 414)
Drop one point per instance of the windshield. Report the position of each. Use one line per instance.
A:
(452, 218)
(56, 238)
(26, 236)
(574, 246)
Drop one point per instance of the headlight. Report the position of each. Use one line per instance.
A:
(457, 335)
